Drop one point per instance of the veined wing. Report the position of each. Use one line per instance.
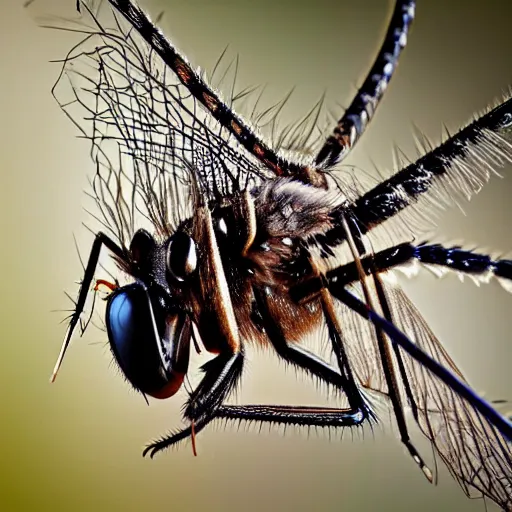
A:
(151, 142)
(474, 451)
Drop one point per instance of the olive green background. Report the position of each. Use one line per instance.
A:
(76, 445)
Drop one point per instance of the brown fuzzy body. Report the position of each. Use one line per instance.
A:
(258, 241)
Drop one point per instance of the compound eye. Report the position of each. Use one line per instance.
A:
(141, 246)
(151, 351)
(181, 256)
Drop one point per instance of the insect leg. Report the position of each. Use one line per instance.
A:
(467, 262)
(452, 258)
(391, 379)
(210, 100)
(445, 375)
(311, 364)
(351, 388)
(177, 436)
(223, 372)
(482, 142)
(278, 414)
(100, 240)
(309, 416)
(457, 168)
(356, 245)
(353, 123)
(221, 376)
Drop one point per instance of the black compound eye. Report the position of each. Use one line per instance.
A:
(151, 349)
(141, 246)
(181, 256)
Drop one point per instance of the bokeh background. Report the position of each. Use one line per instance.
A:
(76, 445)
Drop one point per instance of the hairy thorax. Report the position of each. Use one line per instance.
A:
(258, 241)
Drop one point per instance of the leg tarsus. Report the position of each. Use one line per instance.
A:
(174, 438)
(277, 414)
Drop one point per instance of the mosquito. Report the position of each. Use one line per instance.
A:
(230, 239)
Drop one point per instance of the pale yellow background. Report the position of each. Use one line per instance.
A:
(76, 445)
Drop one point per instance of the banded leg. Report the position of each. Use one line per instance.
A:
(354, 121)
(456, 169)
(450, 258)
(100, 240)
(464, 161)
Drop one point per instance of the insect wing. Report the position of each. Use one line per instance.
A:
(476, 454)
(152, 144)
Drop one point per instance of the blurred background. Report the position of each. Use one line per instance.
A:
(76, 445)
